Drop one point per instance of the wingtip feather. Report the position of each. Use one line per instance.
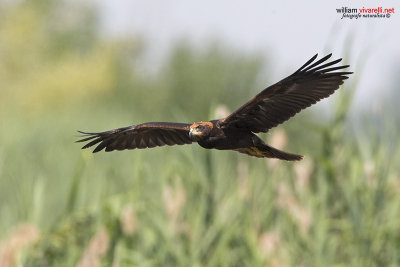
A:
(307, 63)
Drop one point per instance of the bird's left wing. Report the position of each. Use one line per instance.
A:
(146, 135)
(277, 103)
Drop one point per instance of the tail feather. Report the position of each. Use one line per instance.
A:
(272, 152)
(266, 151)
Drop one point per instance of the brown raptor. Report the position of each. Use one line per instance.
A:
(272, 106)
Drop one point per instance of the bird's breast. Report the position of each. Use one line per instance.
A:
(227, 139)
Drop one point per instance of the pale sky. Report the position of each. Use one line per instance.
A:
(287, 32)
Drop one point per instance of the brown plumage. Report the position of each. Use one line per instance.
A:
(272, 106)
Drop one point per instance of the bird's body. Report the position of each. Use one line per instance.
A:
(237, 139)
(237, 132)
(222, 138)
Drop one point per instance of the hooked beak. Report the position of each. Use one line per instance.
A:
(193, 133)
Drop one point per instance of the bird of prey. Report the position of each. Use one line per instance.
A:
(310, 83)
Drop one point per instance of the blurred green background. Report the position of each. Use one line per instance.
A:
(177, 206)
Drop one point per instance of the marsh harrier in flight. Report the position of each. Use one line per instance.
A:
(272, 106)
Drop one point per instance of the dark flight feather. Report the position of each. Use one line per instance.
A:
(283, 100)
(144, 135)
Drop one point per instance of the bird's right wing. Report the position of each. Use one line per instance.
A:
(277, 103)
(145, 135)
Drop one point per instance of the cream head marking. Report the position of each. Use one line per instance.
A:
(200, 129)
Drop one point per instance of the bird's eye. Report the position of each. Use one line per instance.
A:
(200, 127)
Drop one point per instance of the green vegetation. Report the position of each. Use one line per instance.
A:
(174, 206)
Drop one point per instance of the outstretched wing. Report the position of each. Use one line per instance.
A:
(281, 101)
(146, 135)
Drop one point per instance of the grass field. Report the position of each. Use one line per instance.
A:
(177, 206)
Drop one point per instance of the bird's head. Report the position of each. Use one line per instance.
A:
(200, 130)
